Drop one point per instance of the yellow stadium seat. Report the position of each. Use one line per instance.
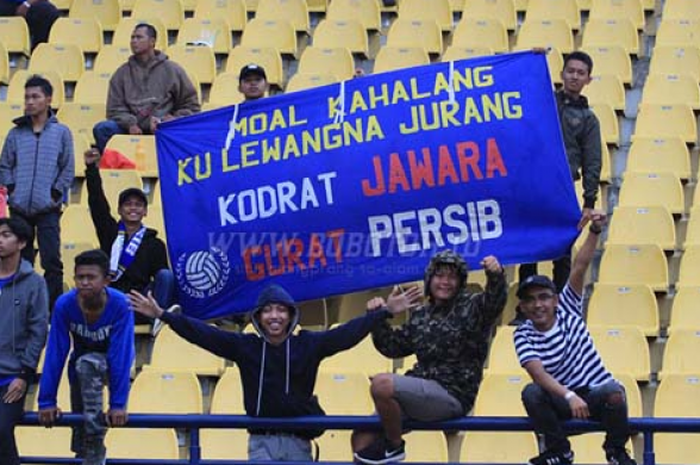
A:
(521, 5)
(129, 145)
(348, 33)
(106, 12)
(81, 117)
(554, 33)
(681, 353)
(426, 447)
(233, 12)
(172, 353)
(456, 52)
(70, 250)
(681, 9)
(335, 61)
(363, 358)
(163, 391)
(567, 10)
(115, 181)
(481, 33)
(502, 356)
(489, 447)
(198, 61)
(14, 34)
(268, 58)
(606, 173)
(122, 34)
(634, 264)
(170, 12)
(76, 226)
(642, 225)
(293, 11)
(356, 398)
(214, 33)
(661, 121)
(619, 9)
(367, 12)
(414, 33)
(633, 305)
(10, 111)
(67, 60)
(490, 9)
(500, 395)
(624, 349)
(228, 395)
(606, 88)
(264, 33)
(303, 81)
(584, 5)
(611, 32)
(317, 6)
(652, 189)
(36, 441)
(609, 125)
(649, 155)
(611, 60)
(678, 33)
(4, 65)
(684, 313)
(689, 274)
(676, 398)
(692, 235)
(677, 60)
(85, 33)
(671, 89)
(142, 443)
(110, 58)
(80, 146)
(224, 91)
(92, 88)
(555, 63)
(154, 220)
(391, 58)
(427, 10)
(224, 444)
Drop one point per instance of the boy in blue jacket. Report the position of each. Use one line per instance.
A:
(98, 320)
(278, 368)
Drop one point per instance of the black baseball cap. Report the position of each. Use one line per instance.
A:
(535, 281)
(252, 70)
(132, 192)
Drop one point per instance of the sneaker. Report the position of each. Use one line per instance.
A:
(380, 452)
(553, 458)
(619, 457)
(158, 323)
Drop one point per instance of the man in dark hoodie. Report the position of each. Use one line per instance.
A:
(278, 368)
(138, 258)
(38, 168)
(145, 91)
(24, 311)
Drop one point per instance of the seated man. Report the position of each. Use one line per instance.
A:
(569, 379)
(145, 90)
(138, 258)
(450, 336)
(100, 325)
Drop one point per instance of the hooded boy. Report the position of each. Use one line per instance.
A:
(278, 368)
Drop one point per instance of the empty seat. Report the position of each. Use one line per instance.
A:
(619, 9)
(689, 274)
(611, 32)
(264, 33)
(228, 395)
(141, 443)
(611, 60)
(115, 181)
(634, 264)
(584, 5)
(609, 125)
(81, 117)
(170, 12)
(692, 235)
(268, 58)
(155, 220)
(391, 58)
(490, 447)
(348, 33)
(489, 33)
(671, 89)
(92, 88)
(546, 33)
(363, 358)
(76, 226)
(456, 52)
(650, 155)
(130, 146)
(293, 11)
(106, 12)
(233, 12)
(678, 33)
(35, 441)
(317, 6)
(14, 34)
(426, 446)
(302, 81)
(676, 398)
(122, 35)
(66, 60)
(224, 91)
(606, 89)
(355, 386)
(414, 33)
(367, 12)
(224, 444)
(502, 356)
(85, 33)
(681, 353)
(110, 58)
(624, 349)
(172, 353)
(555, 64)
(684, 313)
(632, 305)
(606, 173)
(681, 9)
(214, 33)
(642, 225)
(567, 10)
(500, 395)
(653, 189)
(160, 391)
(427, 10)
(335, 61)
(661, 121)
(677, 60)
(198, 61)
(503, 10)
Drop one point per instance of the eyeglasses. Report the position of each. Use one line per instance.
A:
(541, 298)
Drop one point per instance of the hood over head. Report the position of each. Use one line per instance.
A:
(275, 294)
(446, 258)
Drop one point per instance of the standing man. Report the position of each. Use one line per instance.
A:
(569, 379)
(581, 131)
(147, 89)
(24, 314)
(252, 82)
(37, 167)
(99, 323)
(449, 335)
(39, 15)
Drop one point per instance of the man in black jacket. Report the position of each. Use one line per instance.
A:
(138, 258)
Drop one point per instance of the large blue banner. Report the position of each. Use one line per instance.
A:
(355, 185)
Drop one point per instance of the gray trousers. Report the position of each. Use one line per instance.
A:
(279, 447)
(86, 397)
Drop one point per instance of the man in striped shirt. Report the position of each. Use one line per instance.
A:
(569, 379)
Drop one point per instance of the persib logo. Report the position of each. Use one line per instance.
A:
(203, 273)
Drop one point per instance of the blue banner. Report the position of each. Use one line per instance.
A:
(355, 185)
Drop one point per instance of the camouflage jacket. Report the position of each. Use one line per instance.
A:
(450, 343)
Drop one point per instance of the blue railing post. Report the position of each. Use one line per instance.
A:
(195, 448)
(649, 456)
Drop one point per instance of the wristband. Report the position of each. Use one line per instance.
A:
(569, 395)
(594, 230)
(27, 4)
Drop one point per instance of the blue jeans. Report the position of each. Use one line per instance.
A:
(10, 414)
(163, 289)
(103, 132)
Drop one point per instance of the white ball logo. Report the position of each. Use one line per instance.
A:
(202, 270)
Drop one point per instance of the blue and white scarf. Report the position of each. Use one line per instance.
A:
(121, 256)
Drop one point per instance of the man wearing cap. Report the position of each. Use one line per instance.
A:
(138, 258)
(252, 82)
(569, 379)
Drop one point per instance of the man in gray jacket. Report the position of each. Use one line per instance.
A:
(38, 168)
(24, 311)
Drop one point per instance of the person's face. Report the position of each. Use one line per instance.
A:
(274, 320)
(90, 281)
(539, 305)
(141, 42)
(132, 210)
(9, 243)
(444, 284)
(253, 87)
(575, 76)
(36, 102)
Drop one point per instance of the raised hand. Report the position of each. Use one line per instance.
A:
(145, 305)
(490, 265)
(401, 300)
